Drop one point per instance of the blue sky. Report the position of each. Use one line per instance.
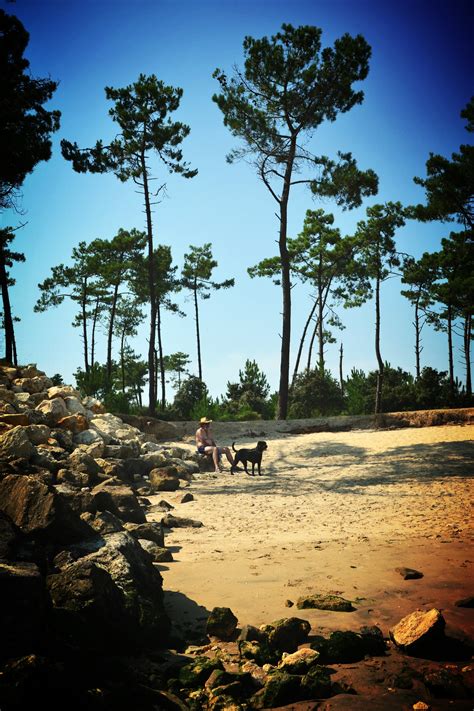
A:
(419, 80)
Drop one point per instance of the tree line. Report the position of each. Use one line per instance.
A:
(288, 88)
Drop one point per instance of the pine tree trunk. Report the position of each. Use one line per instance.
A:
(122, 359)
(467, 353)
(282, 410)
(160, 356)
(417, 339)
(450, 351)
(7, 313)
(311, 344)
(303, 337)
(320, 321)
(84, 326)
(113, 310)
(198, 337)
(378, 392)
(341, 378)
(151, 288)
(94, 323)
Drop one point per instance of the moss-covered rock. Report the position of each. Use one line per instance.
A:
(221, 623)
(316, 684)
(288, 633)
(281, 688)
(195, 675)
(300, 661)
(324, 602)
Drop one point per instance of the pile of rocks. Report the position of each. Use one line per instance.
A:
(77, 555)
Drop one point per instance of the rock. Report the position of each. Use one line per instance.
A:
(104, 522)
(81, 462)
(63, 438)
(373, 640)
(21, 400)
(136, 467)
(74, 406)
(281, 689)
(186, 498)
(38, 434)
(9, 536)
(160, 429)
(287, 634)
(7, 395)
(94, 405)
(111, 427)
(342, 647)
(88, 437)
(158, 553)
(195, 674)
(446, 684)
(162, 504)
(324, 602)
(89, 607)
(141, 583)
(95, 450)
(155, 460)
(300, 662)
(49, 457)
(37, 384)
(77, 479)
(289, 603)
(465, 602)
(147, 447)
(74, 423)
(409, 573)
(31, 371)
(15, 444)
(151, 531)
(421, 706)
(9, 373)
(249, 633)
(23, 608)
(40, 512)
(62, 391)
(221, 623)
(164, 479)
(53, 410)
(418, 630)
(115, 468)
(170, 521)
(119, 500)
(79, 501)
(14, 419)
(120, 451)
(316, 683)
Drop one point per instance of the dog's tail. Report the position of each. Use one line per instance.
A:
(235, 450)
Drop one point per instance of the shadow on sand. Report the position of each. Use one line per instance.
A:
(416, 463)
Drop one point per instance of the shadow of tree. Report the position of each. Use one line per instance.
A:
(417, 463)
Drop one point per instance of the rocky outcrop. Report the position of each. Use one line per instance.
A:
(415, 632)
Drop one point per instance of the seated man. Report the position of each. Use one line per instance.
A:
(206, 445)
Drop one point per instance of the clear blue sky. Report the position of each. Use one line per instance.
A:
(420, 78)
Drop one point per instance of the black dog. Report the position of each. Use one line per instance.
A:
(250, 455)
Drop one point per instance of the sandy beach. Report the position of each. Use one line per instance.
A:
(332, 513)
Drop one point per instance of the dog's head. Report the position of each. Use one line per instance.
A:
(261, 446)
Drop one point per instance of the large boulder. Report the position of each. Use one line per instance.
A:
(40, 512)
(38, 434)
(418, 631)
(23, 608)
(89, 607)
(164, 479)
(119, 500)
(53, 410)
(88, 437)
(112, 428)
(15, 444)
(132, 570)
(323, 601)
(74, 405)
(75, 423)
(158, 554)
(151, 531)
(36, 384)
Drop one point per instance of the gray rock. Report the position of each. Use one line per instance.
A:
(119, 451)
(82, 462)
(186, 498)
(74, 405)
(88, 437)
(79, 501)
(151, 531)
(105, 522)
(119, 500)
(15, 444)
(158, 553)
(53, 410)
(140, 582)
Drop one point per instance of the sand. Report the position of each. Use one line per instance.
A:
(332, 513)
